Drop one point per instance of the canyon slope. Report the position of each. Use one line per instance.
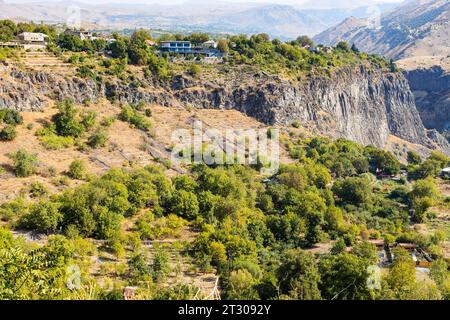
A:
(360, 103)
(429, 79)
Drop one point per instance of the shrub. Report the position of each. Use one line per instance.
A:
(11, 117)
(296, 124)
(128, 114)
(24, 163)
(8, 133)
(194, 69)
(77, 169)
(37, 189)
(98, 139)
(107, 121)
(51, 141)
(88, 119)
(353, 190)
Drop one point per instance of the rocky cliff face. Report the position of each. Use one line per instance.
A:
(431, 88)
(31, 91)
(359, 103)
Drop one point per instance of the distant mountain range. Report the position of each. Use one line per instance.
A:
(283, 21)
(417, 28)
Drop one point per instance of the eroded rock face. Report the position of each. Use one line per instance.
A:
(359, 103)
(431, 88)
(30, 91)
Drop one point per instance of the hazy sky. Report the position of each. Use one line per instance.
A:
(292, 2)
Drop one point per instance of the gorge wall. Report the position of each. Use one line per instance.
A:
(431, 88)
(359, 103)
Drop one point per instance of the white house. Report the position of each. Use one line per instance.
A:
(32, 37)
(32, 40)
(209, 44)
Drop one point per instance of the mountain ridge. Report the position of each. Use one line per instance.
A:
(418, 28)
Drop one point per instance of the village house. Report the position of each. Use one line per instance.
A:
(207, 49)
(83, 35)
(181, 47)
(28, 41)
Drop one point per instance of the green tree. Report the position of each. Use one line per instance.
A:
(344, 46)
(366, 250)
(353, 190)
(304, 41)
(43, 216)
(185, 204)
(338, 247)
(67, 121)
(160, 266)
(222, 45)
(344, 277)
(298, 275)
(402, 274)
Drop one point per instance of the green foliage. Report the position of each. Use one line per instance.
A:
(344, 276)
(10, 117)
(8, 133)
(7, 30)
(298, 276)
(77, 169)
(43, 216)
(37, 190)
(24, 163)
(51, 141)
(128, 114)
(160, 265)
(382, 161)
(414, 158)
(67, 121)
(98, 139)
(185, 204)
(353, 190)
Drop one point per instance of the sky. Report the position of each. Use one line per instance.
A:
(291, 2)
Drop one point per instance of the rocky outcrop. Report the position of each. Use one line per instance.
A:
(30, 91)
(431, 88)
(360, 103)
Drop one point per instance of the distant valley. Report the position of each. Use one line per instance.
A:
(283, 21)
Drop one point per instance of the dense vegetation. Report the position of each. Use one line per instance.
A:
(256, 233)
